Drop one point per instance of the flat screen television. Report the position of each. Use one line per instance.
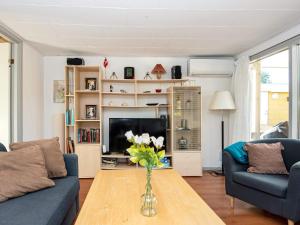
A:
(119, 126)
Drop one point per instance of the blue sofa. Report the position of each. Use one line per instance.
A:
(278, 194)
(57, 205)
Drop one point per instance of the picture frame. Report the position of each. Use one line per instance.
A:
(58, 91)
(128, 72)
(91, 83)
(91, 112)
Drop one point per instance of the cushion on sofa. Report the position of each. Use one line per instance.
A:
(55, 164)
(238, 152)
(45, 207)
(272, 184)
(266, 158)
(21, 172)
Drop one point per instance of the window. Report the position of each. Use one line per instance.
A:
(271, 113)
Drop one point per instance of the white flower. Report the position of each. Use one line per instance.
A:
(146, 139)
(129, 135)
(159, 142)
(138, 139)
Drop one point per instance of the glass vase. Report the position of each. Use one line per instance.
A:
(149, 200)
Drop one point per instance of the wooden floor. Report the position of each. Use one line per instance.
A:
(212, 190)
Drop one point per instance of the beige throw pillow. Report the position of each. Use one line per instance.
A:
(21, 172)
(266, 158)
(54, 159)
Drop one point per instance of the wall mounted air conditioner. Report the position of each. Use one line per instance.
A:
(211, 67)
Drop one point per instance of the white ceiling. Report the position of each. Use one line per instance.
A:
(148, 27)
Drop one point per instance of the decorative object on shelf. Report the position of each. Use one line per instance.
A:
(147, 76)
(184, 124)
(188, 104)
(105, 64)
(91, 84)
(166, 162)
(152, 104)
(124, 104)
(158, 90)
(147, 92)
(75, 61)
(183, 143)
(91, 112)
(149, 157)
(128, 72)
(158, 70)
(176, 72)
(105, 151)
(70, 82)
(58, 91)
(222, 101)
(123, 91)
(113, 76)
(111, 88)
(178, 103)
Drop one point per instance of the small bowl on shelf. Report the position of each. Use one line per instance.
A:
(158, 90)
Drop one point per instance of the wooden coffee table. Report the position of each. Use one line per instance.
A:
(115, 199)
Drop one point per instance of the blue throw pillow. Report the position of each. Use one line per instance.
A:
(238, 152)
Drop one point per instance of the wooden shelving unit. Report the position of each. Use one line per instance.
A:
(107, 101)
(88, 153)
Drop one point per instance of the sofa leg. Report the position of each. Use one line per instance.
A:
(232, 202)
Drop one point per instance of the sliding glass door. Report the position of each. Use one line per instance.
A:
(5, 92)
(271, 96)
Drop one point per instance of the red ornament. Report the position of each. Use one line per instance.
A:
(105, 62)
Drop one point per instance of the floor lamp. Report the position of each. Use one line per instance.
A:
(222, 101)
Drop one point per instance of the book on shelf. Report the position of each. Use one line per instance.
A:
(90, 135)
(70, 119)
(70, 145)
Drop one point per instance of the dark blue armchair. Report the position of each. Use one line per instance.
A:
(278, 194)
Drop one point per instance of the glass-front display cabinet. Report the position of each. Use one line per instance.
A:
(185, 120)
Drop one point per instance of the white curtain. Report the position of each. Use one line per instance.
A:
(240, 119)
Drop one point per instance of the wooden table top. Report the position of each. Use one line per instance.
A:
(115, 199)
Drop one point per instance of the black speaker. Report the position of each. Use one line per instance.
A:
(176, 72)
(75, 61)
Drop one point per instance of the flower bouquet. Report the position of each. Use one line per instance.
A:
(147, 151)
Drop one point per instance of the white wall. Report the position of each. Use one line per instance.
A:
(54, 70)
(4, 93)
(211, 120)
(32, 93)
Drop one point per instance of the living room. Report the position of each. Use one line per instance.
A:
(105, 104)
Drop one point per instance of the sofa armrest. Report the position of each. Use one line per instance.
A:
(293, 194)
(71, 161)
(231, 166)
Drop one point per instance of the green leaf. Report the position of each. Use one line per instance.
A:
(143, 162)
(134, 159)
(160, 165)
(132, 150)
(161, 154)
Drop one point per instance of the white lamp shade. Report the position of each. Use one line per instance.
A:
(222, 100)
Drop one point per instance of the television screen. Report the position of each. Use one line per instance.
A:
(119, 126)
